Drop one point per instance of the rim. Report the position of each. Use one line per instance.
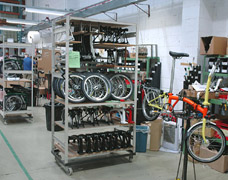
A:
(122, 86)
(148, 110)
(74, 90)
(195, 139)
(96, 88)
(13, 103)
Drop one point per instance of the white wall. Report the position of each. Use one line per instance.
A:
(175, 25)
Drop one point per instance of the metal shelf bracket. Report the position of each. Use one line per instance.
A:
(113, 13)
(145, 11)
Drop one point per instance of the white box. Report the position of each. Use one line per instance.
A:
(170, 136)
(10, 40)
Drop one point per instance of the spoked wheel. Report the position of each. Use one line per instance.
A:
(13, 103)
(96, 88)
(149, 112)
(122, 86)
(75, 93)
(10, 65)
(215, 141)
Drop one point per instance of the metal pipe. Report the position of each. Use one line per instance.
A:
(66, 89)
(172, 75)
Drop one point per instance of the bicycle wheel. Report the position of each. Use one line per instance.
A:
(107, 80)
(13, 103)
(55, 86)
(75, 93)
(149, 112)
(10, 65)
(215, 138)
(122, 86)
(96, 88)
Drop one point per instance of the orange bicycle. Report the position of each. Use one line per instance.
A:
(204, 134)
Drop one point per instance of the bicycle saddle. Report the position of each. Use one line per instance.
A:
(178, 55)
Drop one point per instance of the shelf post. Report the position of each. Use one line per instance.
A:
(66, 89)
(3, 75)
(52, 90)
(135, 90)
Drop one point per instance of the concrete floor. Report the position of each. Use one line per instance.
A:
(32, 144)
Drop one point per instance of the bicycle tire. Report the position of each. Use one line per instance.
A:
(10, 65)
(13, 103)
(96, 88)
(55, 86)
(108, 81)
(121, 90)
(58, 88)
(75, 93)
(148, 110)
(194, 139)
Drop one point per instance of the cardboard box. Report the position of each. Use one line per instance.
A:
(45, 62)
(155, 134)
(132, 55)
(196, 150)
(22, 82)
(212, 45)
(42, 90)
(208, 133)
(220, 165)
(193, 93)
(192, 122)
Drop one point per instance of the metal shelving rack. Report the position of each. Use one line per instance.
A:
(3, 80)
(205, 73)
(60, 139)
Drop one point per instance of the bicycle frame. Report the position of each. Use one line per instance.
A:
(156, 105)
(195, 106)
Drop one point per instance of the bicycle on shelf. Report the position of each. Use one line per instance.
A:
(204, 134)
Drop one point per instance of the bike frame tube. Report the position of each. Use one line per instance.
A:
(172, 75)
(156, 106)
(195, 107)
(188, 101)
(206, 103)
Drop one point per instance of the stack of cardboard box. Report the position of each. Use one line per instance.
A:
(220, 165)
(213, 45)
(45, 64)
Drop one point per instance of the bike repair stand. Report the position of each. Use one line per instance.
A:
(184, 147)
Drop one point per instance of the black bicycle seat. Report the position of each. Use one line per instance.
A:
(178, 55)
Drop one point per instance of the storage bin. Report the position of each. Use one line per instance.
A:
(141, 138)
(58, 112)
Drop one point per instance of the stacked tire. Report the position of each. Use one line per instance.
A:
(95, 87)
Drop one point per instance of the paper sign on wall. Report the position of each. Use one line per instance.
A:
(74, 59)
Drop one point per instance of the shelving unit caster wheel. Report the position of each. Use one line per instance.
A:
(69, 171)
(5, 122)
(30, 115)
(130, 158)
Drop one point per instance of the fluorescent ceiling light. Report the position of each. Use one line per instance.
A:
(21, 21)
(45, 11)
(10, 28)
